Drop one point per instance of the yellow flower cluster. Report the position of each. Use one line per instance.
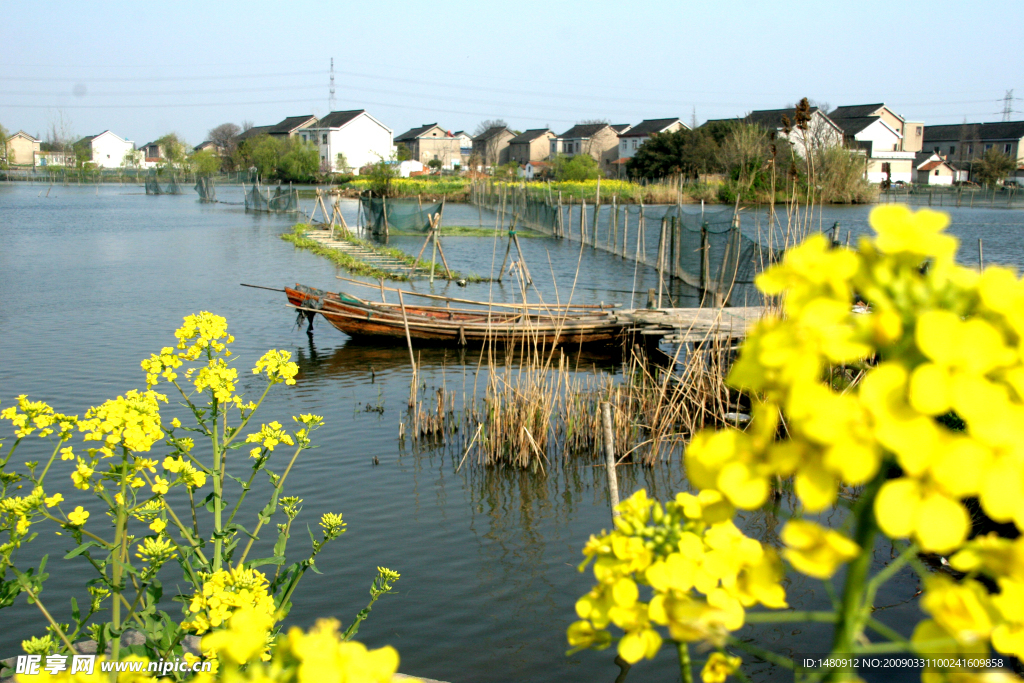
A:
(700, 569)
(947, 341)
(310, 423)
(277, 366)
(29, 416)
(15, 518)
(226, 591)
(187, 473)
(163, 364)
(269, 436)
(205, 331)
(317, 655)
(815, 550)
(132, 420)
(219, 379)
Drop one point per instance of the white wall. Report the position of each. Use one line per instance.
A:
(362, 141)
(108, 150)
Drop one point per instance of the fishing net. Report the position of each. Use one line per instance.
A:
(280, 200)
(401, 216)
(206, 189)
(154, 186)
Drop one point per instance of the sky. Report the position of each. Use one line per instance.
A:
(144, 69)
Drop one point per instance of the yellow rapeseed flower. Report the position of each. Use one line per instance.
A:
(78, 516)
(814, 550)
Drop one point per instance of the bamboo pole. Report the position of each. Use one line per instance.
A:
(609, 458)
(412, 356)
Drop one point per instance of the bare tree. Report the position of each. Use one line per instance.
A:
(60, 134)
(224, 136)
(487, 124)
(246, 125)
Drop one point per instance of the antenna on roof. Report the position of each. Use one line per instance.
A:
(1007, 105)
(331, 101)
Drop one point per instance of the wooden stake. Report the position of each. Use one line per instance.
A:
(412, 357)
(609, 458)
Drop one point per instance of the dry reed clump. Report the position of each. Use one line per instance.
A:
(539, 410)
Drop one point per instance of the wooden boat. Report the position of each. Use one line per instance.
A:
(504, 323)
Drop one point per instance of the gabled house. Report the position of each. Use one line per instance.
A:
(253, 132)
(530, 145)
(632, 138)
(599, 140)
(20, 149)
(886, 138)
(206, 145)
(349, 140)
(934, 169)
(535, 170)
(492, 146)
(107, 149)
(965, 143)
(429, 142)
(290, 126)
(465, 144)
(821, 132)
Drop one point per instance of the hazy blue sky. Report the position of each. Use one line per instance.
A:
(142, 69)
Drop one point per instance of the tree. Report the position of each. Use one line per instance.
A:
(402, 152)
(205, 162)
(132, 160)
(683, 152)
(487, 124)
(3, 147)
(381, 175)
(579, 167)
(224, 136)
(993, 167)
(265, 154)
(507, 171)
(435, 164)
(300, 161)
(175, 152)
(342, 163)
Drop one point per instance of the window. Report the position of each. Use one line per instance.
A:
(895, 147)
(1007, 147)
(970, 149)
(919, 130)
(634, 143)
(952, 149)
(305, 138)
(325, 138)
(936, 171)
(936, 149)
(988, 147)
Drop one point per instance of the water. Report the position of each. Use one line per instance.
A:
(93, 280)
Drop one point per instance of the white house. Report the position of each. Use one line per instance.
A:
(889, 141)
(108, 149)
(534, 169)
(357, 135)
(630, 140)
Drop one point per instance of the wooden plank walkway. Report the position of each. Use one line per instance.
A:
(678, 325)
(384, 262)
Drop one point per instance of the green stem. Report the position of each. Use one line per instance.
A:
(880, 578)
(848, 624)
(218, 493)
(685, 669)
(56, 627)
(887, 632)
(184, 532)
(766, 655)
(252, 412)
(46, 469)
(280, 483)
(785, 617)
(120, 548)
(245, 492)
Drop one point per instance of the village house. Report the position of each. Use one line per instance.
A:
(21, 149)
(965, 143)
(934, 169)
(349, 140)
(631, 140)
(535, 170)
(889, 141)
(465, 145)
(821, 131)
(492, 146)
(106, 150)
(206, 145)
(599, 140)
(290, 126)
(430, 142)
(530, 145)
(253, 132)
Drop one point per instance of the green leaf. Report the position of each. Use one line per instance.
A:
(81, 549)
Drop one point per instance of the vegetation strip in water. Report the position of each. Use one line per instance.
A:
(356, 266)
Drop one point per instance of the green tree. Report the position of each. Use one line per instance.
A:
(265, 154)
(175, 152)
(402, 153)
(206, 162)
(579, 167)
(341, 163)
(993, 167)
(300, 161)
(509, 171)
(3, 146)
(683, 152)
(434, 164)
(381, 174)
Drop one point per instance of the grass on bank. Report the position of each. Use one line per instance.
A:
(473, 231)
(298, 237)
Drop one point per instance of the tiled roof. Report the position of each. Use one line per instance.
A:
(529, 135)
(414, 133)
(854, 111)
(620, 128)
(998, 130)
(490, 133)
(245, 135)
(291, 123)
(853, 125)
(648, 126)
(583, 130)
(337, 119)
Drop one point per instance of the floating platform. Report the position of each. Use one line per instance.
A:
(389, 264)
(682, 325)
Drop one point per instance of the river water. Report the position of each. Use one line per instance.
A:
(94, 279)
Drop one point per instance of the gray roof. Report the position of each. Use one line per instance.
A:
(414, 133)
(491, 132)
(853, 125)
(855, 111)
(337, 119)
(620, 127)
(772, 118)
(998, 130)
(529, 135)
(246, 134)
(584, 130)
(649, 126)
(291, 123)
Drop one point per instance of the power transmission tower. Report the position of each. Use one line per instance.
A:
(331, 105)
(1007, 105)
